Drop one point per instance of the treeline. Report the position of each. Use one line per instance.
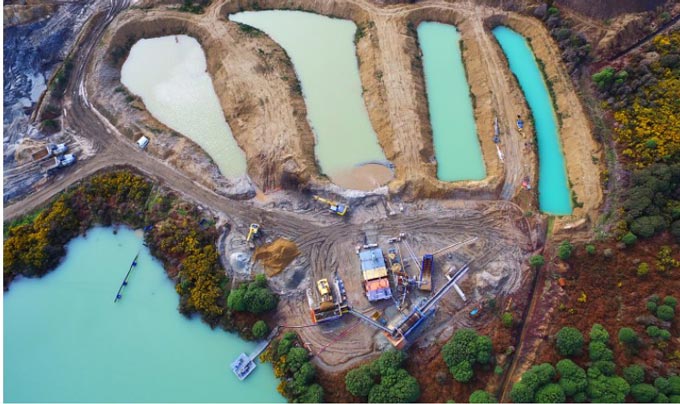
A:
(644, 96)
(179, 235)
(383, 380)
(35, 244)
(293, 367)
(574, 45)
(601, 381)
(652, 204)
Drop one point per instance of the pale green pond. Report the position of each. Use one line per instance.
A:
(65, 340)
(169, 74)
(323, 53)
(456, 143)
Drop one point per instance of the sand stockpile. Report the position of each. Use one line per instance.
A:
(276, 256)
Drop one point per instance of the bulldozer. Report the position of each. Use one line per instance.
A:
(337, 208)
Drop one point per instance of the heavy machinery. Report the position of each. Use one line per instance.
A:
(337, 208)
(253, 233)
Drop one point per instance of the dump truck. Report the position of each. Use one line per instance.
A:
(50, 150)
(58, 162)
(335, 207)
(426, 273)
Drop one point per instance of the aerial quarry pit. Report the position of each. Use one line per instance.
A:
(474, 236)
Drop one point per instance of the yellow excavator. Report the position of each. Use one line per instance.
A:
(253, 233)
(337, 208)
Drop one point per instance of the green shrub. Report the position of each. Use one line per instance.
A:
(628, 336)
(260, 329)
(607, 368)
(661, 398)
(634, 374)
(506, 319)
(569, 341)
(564, 250)
(665, 335)
(629, 239)
(599, 334)
(537, 261)
(590, 249)
(670, 301)
(654, 298)
(604, 389)
(674, 386)
(550, 393)
(651, 306)
(481, 396)
(643, 393)
(643, 269)
(665, 313)
(653, 331)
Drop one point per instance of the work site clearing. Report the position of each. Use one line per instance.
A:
(356, 272)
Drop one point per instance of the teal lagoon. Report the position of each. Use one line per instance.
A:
(324, 56)
(553, 189)
(456, 143)
(65, 340)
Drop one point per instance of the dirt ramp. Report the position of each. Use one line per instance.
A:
(276, 256)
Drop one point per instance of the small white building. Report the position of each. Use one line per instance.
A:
(142, 142)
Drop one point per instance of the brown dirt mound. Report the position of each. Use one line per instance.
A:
(276, 256)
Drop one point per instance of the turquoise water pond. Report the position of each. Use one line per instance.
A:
(66, 341)
(456, 144)
(323, 53)
(553, 188)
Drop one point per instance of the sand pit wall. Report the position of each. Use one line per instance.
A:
(415, 172)
(287, 159)
(582, 154)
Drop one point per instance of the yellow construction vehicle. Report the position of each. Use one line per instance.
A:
(253, 233)
(326, 295)
(337, 208)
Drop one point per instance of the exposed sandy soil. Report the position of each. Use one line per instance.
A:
(276, 256)
(269, 119)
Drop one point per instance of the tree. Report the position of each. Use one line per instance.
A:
(604, 77)
(260, 329)
(573, 378)
(521, 393)
(599, 334)
(662, 385)
(643, 393)
(674, 385)
(653, 331)
(665, 313)
(536, 261)
(313, 394)
(569, 341)
(607, 368)
(465, 349)
(634, 374)
(390, 359)
(598, 351)
(296, 358)
(481, 396)
(670, 301)
(462, 371)
(564, 250)
(359, 381)
(628, 337)
(607, 389)
(651, 306)
(306, 373)
(550, 393)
